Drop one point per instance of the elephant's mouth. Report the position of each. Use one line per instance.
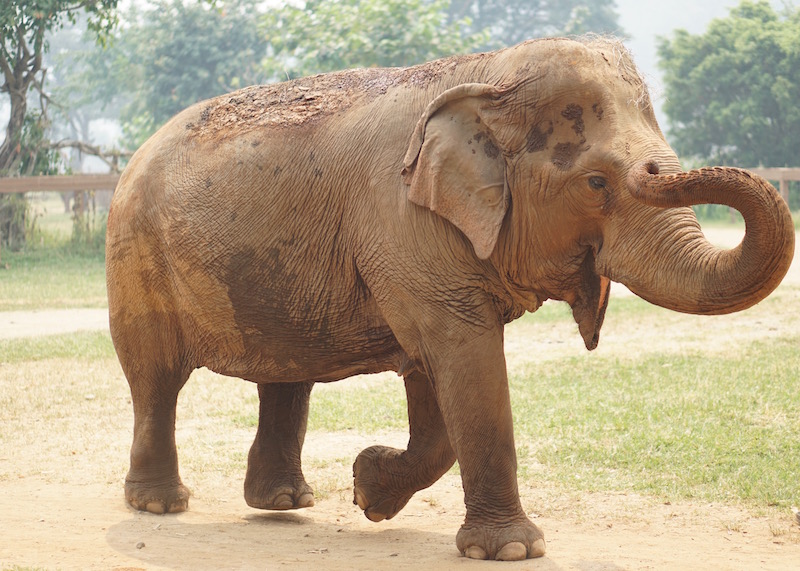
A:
(589, 299)
(596, 249)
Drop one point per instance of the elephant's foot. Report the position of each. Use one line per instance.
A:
(381, 489)
(511, 542)
(157, 498)
(278, 493)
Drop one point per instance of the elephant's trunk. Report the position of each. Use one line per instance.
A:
(672, 264)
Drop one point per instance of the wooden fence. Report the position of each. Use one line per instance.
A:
(782, 176)
(58, 183)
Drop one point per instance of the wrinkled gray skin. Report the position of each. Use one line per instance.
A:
(396, 219)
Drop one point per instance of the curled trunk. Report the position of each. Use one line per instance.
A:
(678, 268)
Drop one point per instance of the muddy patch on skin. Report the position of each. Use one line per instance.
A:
(574, 113)
(302, 101)
(290, 103)
(491, 149)
(565, 155)
(537, 138)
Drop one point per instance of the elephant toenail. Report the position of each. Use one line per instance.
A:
(538, 548)
(305, 501)
(155, 507)
(475, 552)
(514, 551)
(361, 500)
(283, 502)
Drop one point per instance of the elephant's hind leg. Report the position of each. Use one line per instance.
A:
(386, 478)
(153, 483)
(274, 478)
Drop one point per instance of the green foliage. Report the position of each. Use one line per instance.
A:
(172, 55)
(14, 221)
(512, 21)
(327, 35)
(25, 22)
(732, 92)
(176, 52)
(24, 25)
(35, 156)
(88, 225)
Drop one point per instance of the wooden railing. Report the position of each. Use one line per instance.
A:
(782, 176)
(58, 183)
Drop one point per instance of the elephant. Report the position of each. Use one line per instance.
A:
(396, 219)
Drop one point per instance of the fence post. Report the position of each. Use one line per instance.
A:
(784, 188)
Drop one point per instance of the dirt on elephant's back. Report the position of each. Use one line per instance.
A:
(291, 103)
(300, 101)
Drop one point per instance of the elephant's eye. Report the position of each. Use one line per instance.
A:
(598, 183)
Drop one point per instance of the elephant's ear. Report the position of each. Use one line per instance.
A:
(454, 166)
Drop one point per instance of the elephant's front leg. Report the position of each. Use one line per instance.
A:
(386, 478)
(472, 389)
(274, 478)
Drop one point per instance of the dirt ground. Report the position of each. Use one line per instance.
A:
(61, 502)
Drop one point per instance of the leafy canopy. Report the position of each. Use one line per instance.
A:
(24, 22)
(172, 54)
(328, 35)
(732, 93)
(512, 21)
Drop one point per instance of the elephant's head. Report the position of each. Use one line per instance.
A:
(557, 172)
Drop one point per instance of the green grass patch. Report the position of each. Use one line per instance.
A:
(714, 427)
(380, 407)
(349, 406)
(85, 345)
(52, 278)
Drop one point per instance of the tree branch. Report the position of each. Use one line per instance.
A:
(111, 158)
(4, 65)
(44, 98)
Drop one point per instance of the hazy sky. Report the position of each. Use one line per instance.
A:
(646, 20)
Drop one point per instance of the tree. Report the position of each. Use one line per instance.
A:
(24, 25)
(512, 21)
(186, 52)
(732, 92)
(75, 98)
(170, 55)
(327, 35)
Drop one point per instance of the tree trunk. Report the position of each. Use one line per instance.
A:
(10, 149)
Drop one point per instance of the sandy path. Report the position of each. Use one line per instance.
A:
(87, 527)
(14, 324)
